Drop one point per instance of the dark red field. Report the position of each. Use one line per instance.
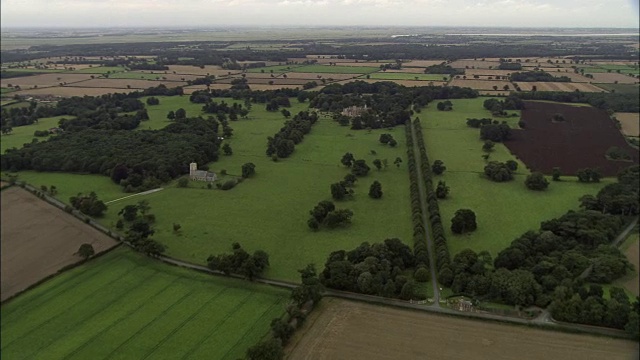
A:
(580, 141)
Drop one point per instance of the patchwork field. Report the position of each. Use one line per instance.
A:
(478, 64)
(401, 76)
(67, 91)
(558, 86)
(45, 80)
(482, 84)
(315, 76)
(128, 83)
(630, 123)
(125, 306)
(611, 78)
(448, 138)
(539, 144)
(206, 70)
(39, 239)
(337, 69)
(349, 330)
(622, 88)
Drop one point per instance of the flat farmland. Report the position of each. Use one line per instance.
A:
(278, 68)
(314, 76)
(126, 306)
(400, 82)
(198, 71)
(448, 138)
(481, 84)
(39, 239)
(478, 64)
(336, 69)
(583, 139)
(274, 87)
(286, 189)
(604, 77)
(360, 331)
(45, 80)
(422, 63)
(405, 69)
(401, 76)
(125, 83)
(558, 86)
(276, 81)
(493, 92)
(148, 75)
(622, 88)
(578, 78)
(66, 91)
(630, 123)
(485, 72)
(100, 70)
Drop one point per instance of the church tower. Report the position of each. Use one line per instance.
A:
(193, 167)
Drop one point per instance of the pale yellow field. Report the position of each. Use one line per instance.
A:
(559, 86)
(486, 72)
(612, 77)
(133, 83)
(66, 91)
(478, 64)
(630, 123)
(482, 84)
(45, 80)
(191, 89)
(422, 63)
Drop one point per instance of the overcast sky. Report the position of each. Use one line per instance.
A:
(176, 13)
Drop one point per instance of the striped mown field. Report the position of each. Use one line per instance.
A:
(125, 306)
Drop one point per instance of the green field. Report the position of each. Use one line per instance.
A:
(126, 306)
(504, 210)
(158, 113)
(31, 70)
(622, 88)
(5, 90)
(408, 76)
(24, 134)
(273, 69)
(270, 211)
(99, 70)
(337, 69)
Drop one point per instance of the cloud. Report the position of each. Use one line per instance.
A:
(176, 13)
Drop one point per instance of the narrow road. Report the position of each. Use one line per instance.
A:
(616, 242)
(427, 227)
(140, 193)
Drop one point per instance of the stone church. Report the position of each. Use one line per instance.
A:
(200, 175)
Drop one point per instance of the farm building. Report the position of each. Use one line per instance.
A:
(200, 175)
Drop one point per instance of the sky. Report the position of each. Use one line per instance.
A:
(215, 13)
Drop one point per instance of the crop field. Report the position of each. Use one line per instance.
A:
(21, 135)
(612, 78)
(317, 77)
(128, 83)
(100, 70)
(576, 78)
(336, 69)
(39, 239)
(125, 306)
(198, 71)
(448, 138)
(360, 331)
(482, 84)
(558, 86)
(540, 142)
(152, 76)
(66, 91)
(404, 76)
(276, 81)
(276, 69)
(45, 80)
(485, 72)
(422, 63)
(407, 70)
(630, 123)
(478, 64)
(622, 88)
(280, 196)
(400, 82)
(188, 90)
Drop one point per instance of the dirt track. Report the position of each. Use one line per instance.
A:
(349, 330)
(38, 239)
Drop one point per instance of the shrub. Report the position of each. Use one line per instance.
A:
(229, 184)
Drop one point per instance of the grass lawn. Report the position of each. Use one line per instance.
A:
(14, 104)
(504, 210)
(21, 135)
(270, 211)
(407, 76)
(337, 69)
(125, 306)
(99, 70)
(6, 90)
(158, 113)
(69, 185)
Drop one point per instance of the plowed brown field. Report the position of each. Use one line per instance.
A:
(580, 141)
(359, 331)
(558, 86)
(39, 239)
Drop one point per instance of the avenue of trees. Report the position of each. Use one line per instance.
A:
(283, 143)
